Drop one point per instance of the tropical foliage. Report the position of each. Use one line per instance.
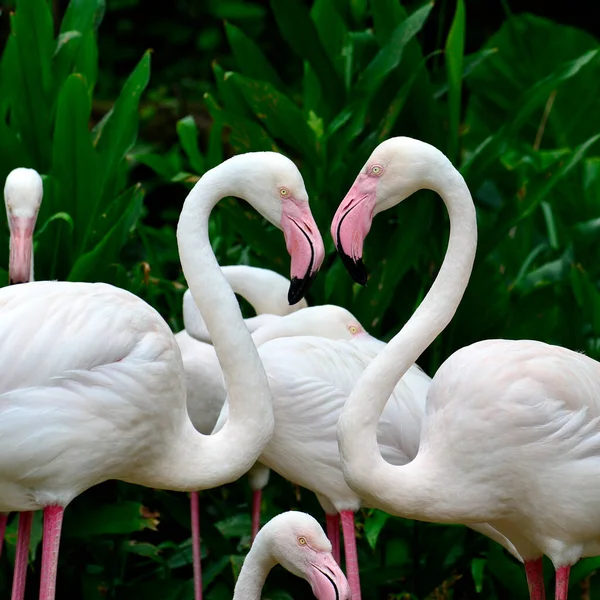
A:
(323, 81)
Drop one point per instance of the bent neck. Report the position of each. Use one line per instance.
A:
(364, 468)
(250, 425)
(255, 569)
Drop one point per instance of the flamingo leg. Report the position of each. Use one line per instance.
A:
(535, 579)
(22, 555)
(3, 520)
(333, 533)
(197, 563)
(53, 517)
(562, 582)
(350, 553)
(256, 502)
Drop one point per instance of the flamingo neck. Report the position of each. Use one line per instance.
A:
(255, 569)
(199, 461)
(407, 489)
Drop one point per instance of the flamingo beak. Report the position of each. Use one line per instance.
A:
(304, 244)
(351, 224)
(326, 578)
(21, 248)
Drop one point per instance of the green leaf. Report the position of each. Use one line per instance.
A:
(332, 31)
(299, 31)
(83, 15)
(281, 117)
(245, 135)
(110, 519)
(477, 569)
(250, 59)
(388, 58)
(455, 46)
(387, 15)
(373, 525)
(26, 63)
(188, 138)
(75, 163)
(96, 264)
(115, 135)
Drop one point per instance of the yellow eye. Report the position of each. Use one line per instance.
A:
(302, 541)
(353, 329)
(376, 170)
(283, 192)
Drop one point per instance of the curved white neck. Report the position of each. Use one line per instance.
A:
(207, 461)
(403, 489)
(255, 569)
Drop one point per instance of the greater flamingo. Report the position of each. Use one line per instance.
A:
(23, 193)
(266, 291)
(296, 541)
(512, 430)
(106, 399)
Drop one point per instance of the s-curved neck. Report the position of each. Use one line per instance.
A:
(255, 569)
(208, 461)
(406, 489)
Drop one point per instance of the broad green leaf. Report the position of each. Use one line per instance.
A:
(116, 133)
(332, 31)
(373, 525)
(75, 162)
(26, 63)
(470, 63)
(83, 15)
(477, 571)
(244, 135)
(229, 94)
(250, 58)
(390, 55)
(111, 519)
(281, 117)
(96, 264)
(188, 138)
(455, 46)
(387, 15)
(299, 31)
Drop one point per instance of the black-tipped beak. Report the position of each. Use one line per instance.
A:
(357, 269)
(299, 287)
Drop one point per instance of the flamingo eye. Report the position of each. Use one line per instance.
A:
(353, 329)
(284, 192)
(376, 170)
(302, 541)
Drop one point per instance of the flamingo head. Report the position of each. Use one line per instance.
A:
(299, 544)
(23, 193)
(393, 172)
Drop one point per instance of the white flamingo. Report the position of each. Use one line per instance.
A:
(512, 430)
(23, 193)
(266, 291)
(100, 391)
(297, 542)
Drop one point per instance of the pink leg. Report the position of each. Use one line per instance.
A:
(53, 516)
(195, 509)
(3, 519)
(562, 582)
(350, 553)
(256, 502)
(535, 579)
(333, 533)
(22, 555)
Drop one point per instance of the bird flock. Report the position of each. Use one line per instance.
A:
(504, 439)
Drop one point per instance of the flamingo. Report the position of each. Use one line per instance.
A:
(106, 399)
(296, 541)
(310, 378)
(512, 430)
(23, 193)
(266, 291)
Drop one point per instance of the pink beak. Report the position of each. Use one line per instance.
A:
(304, 245)
(326, 579)
(351, 224)
(21, 249)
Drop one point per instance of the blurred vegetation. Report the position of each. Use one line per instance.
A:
(511, 98)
